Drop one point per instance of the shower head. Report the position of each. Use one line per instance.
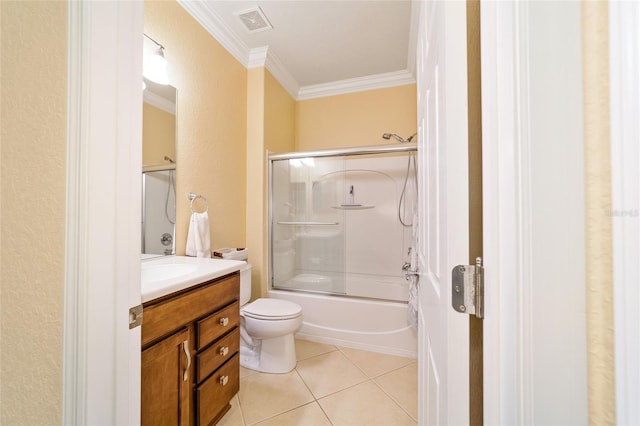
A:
(398, 138)
(393, 135)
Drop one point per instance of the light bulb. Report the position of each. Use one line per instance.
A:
(155, 67)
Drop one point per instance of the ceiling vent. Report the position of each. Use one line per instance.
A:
(254, 20)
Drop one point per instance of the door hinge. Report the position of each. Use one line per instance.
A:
(467, 289)
(135, 316)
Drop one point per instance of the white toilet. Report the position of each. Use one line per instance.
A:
(266, 330)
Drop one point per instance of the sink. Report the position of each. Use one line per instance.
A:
(167, 274)
(151, 273)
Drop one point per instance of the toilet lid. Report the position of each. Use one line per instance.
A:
(272, 309)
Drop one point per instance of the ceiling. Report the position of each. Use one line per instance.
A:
(319, 48)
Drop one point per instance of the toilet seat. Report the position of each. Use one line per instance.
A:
(271, 309)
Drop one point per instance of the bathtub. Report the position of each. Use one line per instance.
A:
(371, 325)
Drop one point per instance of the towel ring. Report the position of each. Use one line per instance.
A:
(194, 197)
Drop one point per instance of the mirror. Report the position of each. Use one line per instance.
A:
(158, 169)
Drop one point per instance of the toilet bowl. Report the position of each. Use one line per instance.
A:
(266, 330)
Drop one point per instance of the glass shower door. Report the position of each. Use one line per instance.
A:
(308, 231)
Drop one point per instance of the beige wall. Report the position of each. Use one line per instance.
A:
(158, 135)
(279, 117)
(270, 126)
(600, 335)
(211, 124)
(255, 201)
(32, 234)
(356, 119)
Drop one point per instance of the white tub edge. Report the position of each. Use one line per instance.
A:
(395, 339)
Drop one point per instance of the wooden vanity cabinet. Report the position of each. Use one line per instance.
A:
(165, 389)
(190, 354)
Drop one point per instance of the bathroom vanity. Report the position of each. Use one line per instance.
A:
(190, 349)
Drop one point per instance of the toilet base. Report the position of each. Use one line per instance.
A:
(275, 355)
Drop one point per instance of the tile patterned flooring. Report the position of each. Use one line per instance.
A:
(330, 386)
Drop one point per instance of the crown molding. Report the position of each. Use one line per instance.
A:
(214, 24)
(360, 84)
(280, 73)
(262, 56)
(159, 102)
(258, 57)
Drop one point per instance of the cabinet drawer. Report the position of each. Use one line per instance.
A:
(214, 394)
(217, 324)
(168, 315)
(215, 355)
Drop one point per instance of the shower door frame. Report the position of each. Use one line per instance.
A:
(324, 153)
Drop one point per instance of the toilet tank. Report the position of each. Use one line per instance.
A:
(245, 284)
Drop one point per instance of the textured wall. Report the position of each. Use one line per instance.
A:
(595, 51)
(33, 99)
(255, 201)
(356, 119)
(279, 117)
(270, 126)
(211, 124)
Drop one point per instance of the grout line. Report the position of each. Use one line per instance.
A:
(324, 412)
(317, 400)
(394, 400)
(305, 383)
(244, 422)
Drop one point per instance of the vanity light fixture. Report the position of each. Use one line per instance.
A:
(155, 65)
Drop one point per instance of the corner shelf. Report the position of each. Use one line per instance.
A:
(352, 207)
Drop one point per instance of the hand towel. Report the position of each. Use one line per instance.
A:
(198, 239)
(412, 313)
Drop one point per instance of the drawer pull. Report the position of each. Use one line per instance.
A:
(224, 351)
(224, 321)
(224, 380)
(185, 346)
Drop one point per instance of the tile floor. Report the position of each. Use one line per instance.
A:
(330, 386)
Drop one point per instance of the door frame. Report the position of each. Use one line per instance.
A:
(516, 127)
(101, 356)
(502, 386)
(624, 65)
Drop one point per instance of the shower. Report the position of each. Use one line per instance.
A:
(400, 139)
(406, 178)
(337, 246)
(171, 184)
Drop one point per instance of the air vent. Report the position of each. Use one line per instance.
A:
(254, 20)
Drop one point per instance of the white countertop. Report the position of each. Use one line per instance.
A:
(168, 274)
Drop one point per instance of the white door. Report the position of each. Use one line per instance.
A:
(443, 376)
(101, 383)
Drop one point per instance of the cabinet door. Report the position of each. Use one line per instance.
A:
(166, 382)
